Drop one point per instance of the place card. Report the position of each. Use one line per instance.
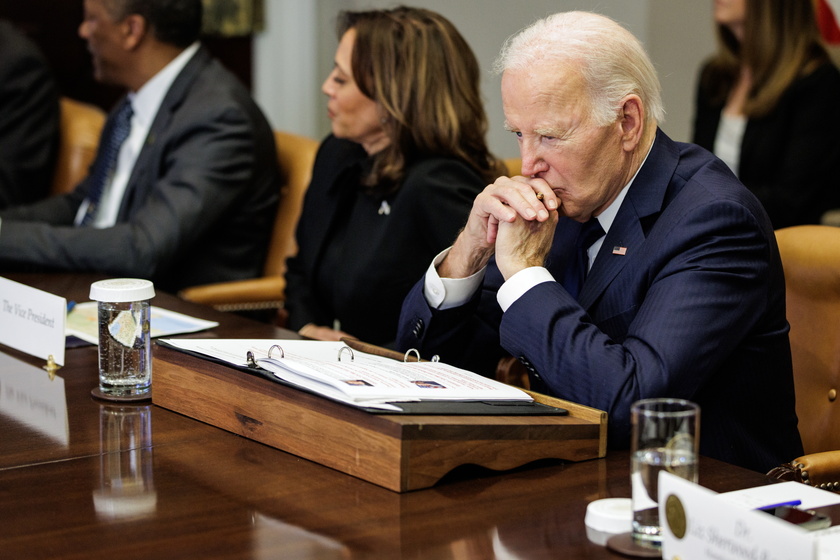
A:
(700, 524)
(32, 320)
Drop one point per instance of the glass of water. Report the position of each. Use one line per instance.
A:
(666, 436)
(125, 353)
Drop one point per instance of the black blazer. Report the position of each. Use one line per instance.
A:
(29, 120)
(790, 158)
(357, 259)
(199, 206)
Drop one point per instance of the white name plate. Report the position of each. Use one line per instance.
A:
(699, 524)
(32, 321)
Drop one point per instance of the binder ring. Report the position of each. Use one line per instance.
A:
(409, 352)
(249, 357)
(273, 346)
(342, 349)
(435, 358)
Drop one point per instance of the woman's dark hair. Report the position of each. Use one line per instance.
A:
(423, 74)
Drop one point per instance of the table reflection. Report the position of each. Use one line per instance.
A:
(271, 535)
(126, 482)
(30, 396)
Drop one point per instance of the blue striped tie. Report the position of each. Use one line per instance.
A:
(107, 161)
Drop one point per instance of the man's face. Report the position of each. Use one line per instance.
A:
(547, 108)
(104, 38)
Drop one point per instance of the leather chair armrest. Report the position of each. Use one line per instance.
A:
(821, 470)
(510, 371)
(256, 293)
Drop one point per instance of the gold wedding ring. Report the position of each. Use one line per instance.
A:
(540, 196)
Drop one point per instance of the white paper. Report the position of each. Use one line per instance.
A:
(83, 322)
(764, 496)
(828, 544)
(390, 380)
(718, 530)
(365, 380)
(231, 351)
(32, 320)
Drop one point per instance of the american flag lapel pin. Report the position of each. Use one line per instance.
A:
(617, 250)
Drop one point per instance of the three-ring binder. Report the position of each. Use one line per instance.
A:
(252, 362)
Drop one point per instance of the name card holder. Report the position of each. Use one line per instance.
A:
(33, 321)
(700, 524)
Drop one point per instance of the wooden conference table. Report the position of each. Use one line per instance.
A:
(140, 481)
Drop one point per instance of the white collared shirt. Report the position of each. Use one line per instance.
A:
(729, 138)
(145, 103)
(445, 293)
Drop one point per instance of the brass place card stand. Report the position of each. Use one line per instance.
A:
(397, 451)
(51, 367)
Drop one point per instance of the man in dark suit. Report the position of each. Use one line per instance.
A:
(192, 194)
(685, 296)
(29, 120)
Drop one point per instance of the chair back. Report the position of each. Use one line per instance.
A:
(81, 124)
(811, 260)
(296, 155)
(514, 166)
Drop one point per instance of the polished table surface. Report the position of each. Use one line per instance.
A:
(140, 481)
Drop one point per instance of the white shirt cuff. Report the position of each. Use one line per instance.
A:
(445, 293)
(516, 286)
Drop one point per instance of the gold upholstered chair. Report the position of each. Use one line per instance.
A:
(514, 166)
(80, 126)
(811, 260)
(296, 154)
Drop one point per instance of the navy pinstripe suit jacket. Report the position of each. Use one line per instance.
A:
(695, 308)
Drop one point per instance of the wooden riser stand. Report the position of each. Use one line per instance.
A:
(398, 452)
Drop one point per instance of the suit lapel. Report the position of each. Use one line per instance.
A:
(138, 188)
(347, 164)
(645, 198)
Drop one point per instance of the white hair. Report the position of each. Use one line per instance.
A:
(612, 62)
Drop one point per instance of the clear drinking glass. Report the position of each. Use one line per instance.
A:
(666, 436)
(125, 349)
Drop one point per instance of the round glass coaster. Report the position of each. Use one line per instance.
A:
(96, 392)
(624, 544)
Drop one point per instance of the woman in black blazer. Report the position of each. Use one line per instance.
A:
(768, 104)
(394, 182)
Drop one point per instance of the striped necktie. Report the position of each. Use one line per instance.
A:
(106, 164)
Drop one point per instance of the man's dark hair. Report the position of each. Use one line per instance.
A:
(176, 22)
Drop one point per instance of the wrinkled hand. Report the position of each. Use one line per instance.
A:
(524, 243)
(505, 201)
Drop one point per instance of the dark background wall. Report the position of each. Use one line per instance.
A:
(53, 26)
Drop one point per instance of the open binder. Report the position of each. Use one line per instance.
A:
(351, 375)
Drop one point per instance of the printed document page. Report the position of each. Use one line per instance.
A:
(333, 369)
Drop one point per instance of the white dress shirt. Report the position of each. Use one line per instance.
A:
(445, 293)
(145, 103)
(730, 136)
